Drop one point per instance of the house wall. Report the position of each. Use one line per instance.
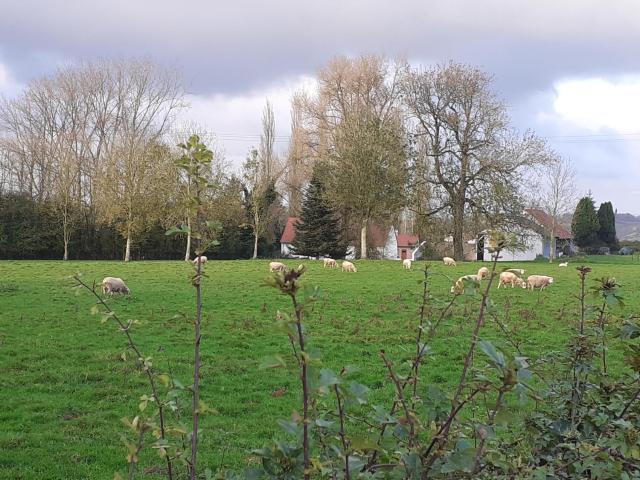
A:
(534, 246)
(390, 249)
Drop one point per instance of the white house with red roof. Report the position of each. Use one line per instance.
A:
(536, 239)
(389, 243)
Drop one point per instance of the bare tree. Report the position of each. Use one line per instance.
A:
(559, 195)
(147, 100)
(260, 174)
(65, 130)
(299, 165)
(184, 181)
(355, 125)
(475, 162)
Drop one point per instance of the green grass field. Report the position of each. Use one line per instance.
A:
(64, 388)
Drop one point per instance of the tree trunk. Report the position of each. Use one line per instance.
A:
(255, 245)
(127, 251)
(552, 242)
(458, 230)
(65, 236)
(187, 253)
(363, 240)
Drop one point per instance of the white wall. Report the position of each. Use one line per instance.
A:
(534, 246)
(390, 250)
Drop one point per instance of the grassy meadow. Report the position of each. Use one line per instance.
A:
(64, 387)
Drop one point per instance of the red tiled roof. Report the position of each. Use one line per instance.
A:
(406, 240)
(546, 221)
(289, 233)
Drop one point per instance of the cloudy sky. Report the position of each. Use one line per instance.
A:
(569, 70)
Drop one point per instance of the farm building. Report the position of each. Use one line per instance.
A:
(388, 244)
(535, 239)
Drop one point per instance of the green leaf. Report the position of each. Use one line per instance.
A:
(328, 378)
(496, 357)
(273, 361)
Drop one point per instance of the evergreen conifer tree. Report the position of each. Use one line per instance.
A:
(607, 220)
(585, 224)
(318, 230)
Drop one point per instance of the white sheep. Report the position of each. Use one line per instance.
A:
(277, 267)
(449, 262)
(564, 264)
(348, 267)
(201, 259)
(483, 272)
(517, 271)
(330, 263)
(406, 263)
(510, 278)
(538, 281)
(458, 287)
(111, 285)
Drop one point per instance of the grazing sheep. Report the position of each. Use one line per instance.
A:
(406, 263)
(517, 271)
(482, 273)
(449, 262)
(538, 281)
(111, 285)
(330, 263)
(201, 259)
(478, 277)
(348, 267)
(277, 267)
(511, 278)
(565, 264)
(458, 287)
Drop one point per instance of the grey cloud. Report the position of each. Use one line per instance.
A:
(232, 46)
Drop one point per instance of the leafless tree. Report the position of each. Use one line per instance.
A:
(558, 196)
(355, 125)
(298, 163)
(475, 161)
(261, 171)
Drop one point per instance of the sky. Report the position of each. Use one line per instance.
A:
(569, 70)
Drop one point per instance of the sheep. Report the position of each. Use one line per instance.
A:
(510, 278)
(517, 271)
(458, 287)
(449, 262)
(348, 267)
(564, 264)
(483, 272)
(478, 277)
(277, 267)
(538, 281)
(406, 263)
(111, 285)
(330, 263)
(201, 259)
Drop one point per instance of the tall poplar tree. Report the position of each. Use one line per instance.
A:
(607, 220)
(585, 224)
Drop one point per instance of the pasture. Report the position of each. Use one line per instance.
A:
(64, 387)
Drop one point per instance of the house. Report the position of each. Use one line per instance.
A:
(387, 244)
(535, 239)
(288, 235)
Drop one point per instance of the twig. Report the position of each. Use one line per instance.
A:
(399, 392)
(305, 388)
(148, 370)
(343, 438)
